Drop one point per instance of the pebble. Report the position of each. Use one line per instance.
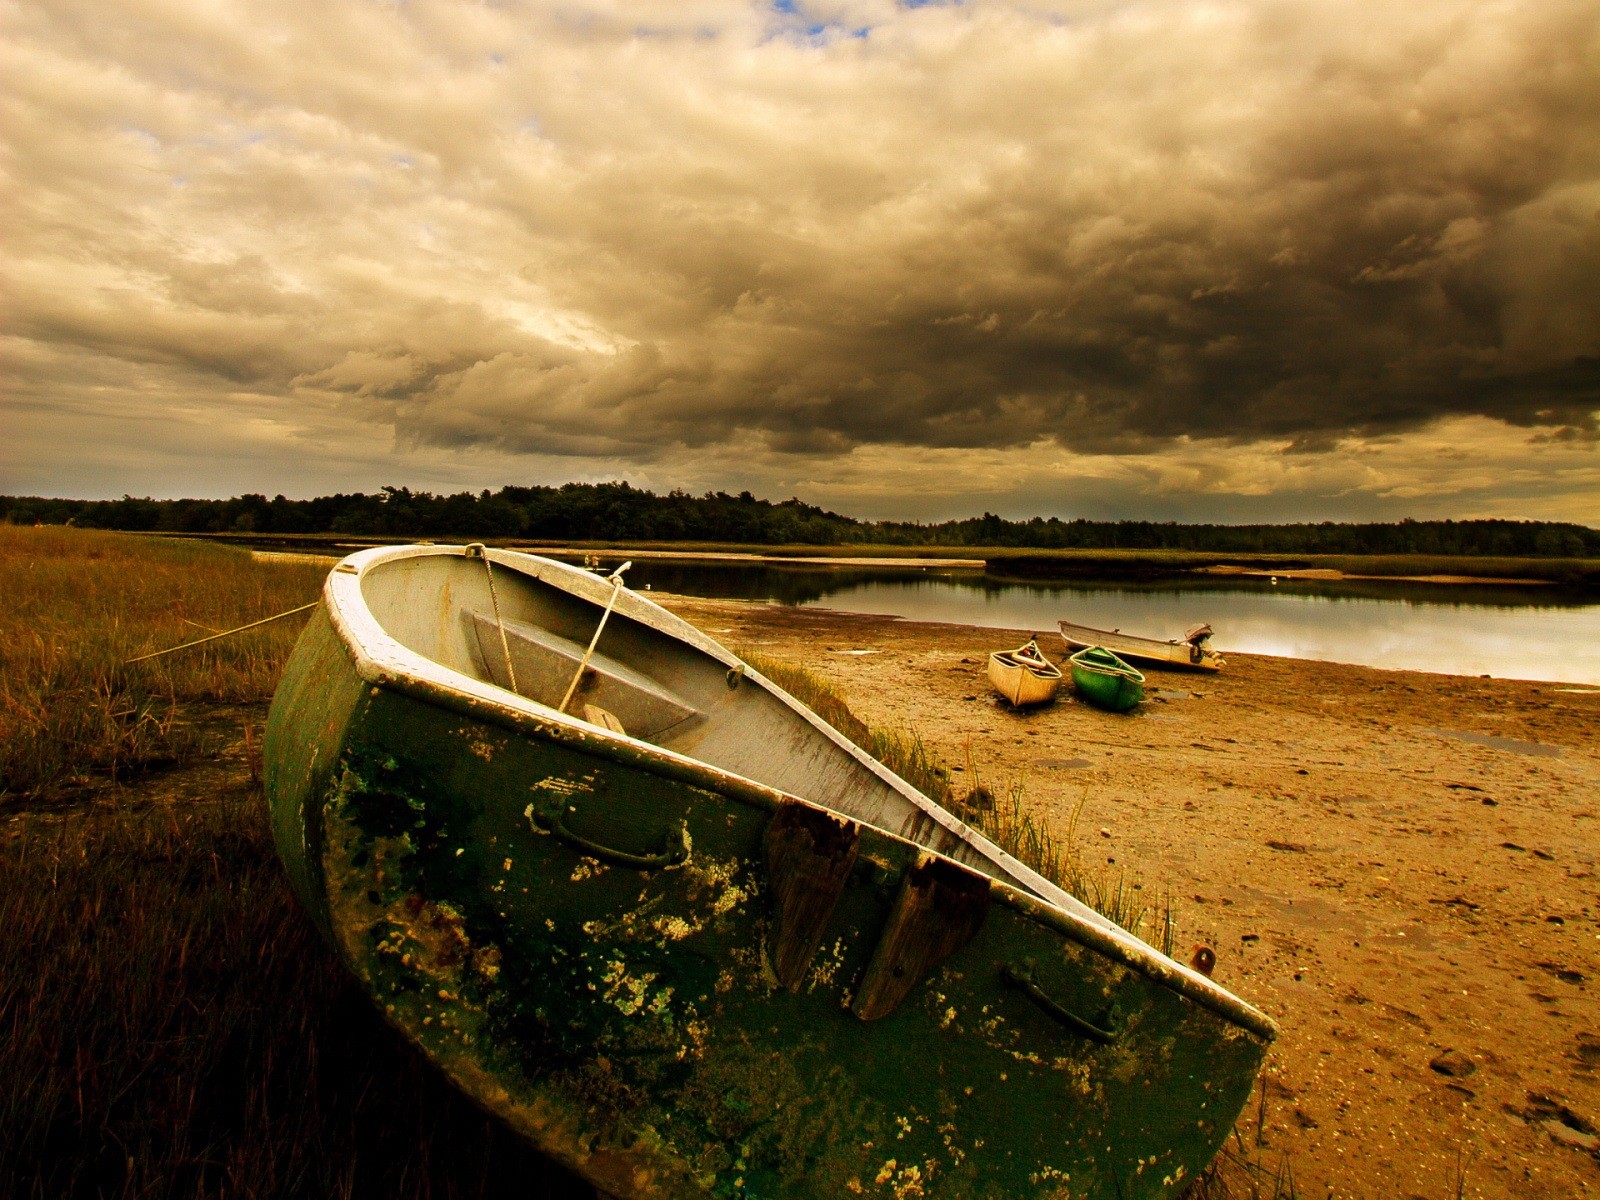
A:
(1589, 1048)
(1575, 1138)
(1454, 1064)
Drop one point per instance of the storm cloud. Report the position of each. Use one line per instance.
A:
(667, 235)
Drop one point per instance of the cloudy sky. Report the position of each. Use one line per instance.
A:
(1261, 259)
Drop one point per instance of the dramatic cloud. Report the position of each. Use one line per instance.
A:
(1188, 250)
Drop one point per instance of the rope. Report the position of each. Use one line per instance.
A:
(616, 590)
(225, 633)
(494, 599)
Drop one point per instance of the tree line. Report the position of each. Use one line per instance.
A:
(618, 512)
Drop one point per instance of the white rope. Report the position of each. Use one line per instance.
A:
(616, 590)
(225, 633)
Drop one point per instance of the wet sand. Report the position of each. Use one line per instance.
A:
(1399, 867)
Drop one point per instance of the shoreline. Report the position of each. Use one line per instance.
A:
(1315, 574)
(727, 556)
(1000, 563)
(1331, 575)
(1399, 867)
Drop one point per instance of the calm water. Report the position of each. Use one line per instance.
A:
(1510, 632)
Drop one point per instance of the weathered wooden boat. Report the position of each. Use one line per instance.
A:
(1105, 681)
(700, 945)
(1192, 650)
(1024, 676)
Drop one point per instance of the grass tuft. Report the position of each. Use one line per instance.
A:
(1241, 1171)
(1007, 821)
(1111, 891)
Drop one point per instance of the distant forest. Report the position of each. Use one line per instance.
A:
(617, 512)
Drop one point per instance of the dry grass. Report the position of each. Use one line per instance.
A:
(902, 753)
(80, 602)
(1111, 891)
(1007, 820)
(171, 1024)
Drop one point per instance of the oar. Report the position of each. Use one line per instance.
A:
(616, 590)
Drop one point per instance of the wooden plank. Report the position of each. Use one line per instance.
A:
(810, 854)
(938, 910)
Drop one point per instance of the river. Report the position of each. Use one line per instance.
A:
(1503, 630)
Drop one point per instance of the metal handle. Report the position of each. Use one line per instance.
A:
(554, 821)
(1022, 979)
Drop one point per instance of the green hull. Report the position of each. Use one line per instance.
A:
(629, 1021)
(1105, 681)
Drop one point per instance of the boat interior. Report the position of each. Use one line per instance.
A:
(644, 678)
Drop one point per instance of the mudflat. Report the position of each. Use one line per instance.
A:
(1399, 867)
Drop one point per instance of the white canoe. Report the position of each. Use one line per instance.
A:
(1192, 650)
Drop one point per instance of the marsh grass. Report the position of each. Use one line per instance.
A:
(1007, 820)
(1027, 564)
(1026, 561)
(79, 603)
(1119, 895)
(171, 1024)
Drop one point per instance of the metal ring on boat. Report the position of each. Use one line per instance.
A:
(1022, 979)
(554, 821)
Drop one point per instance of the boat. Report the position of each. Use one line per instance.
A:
(690, 941)
(1105, 681)
(1192, 650)
(1024, 676)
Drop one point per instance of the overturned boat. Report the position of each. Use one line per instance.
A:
(1193, 650)
(693, 942)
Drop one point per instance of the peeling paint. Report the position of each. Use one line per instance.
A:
(628, 1021)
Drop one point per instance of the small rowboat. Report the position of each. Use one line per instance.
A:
(1191, 651)
(1024, 676)
(694, 943)
(1105, 681)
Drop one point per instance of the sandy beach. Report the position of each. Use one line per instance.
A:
(1399, 867)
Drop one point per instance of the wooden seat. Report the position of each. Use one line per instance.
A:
(596, 715)
(544, 664)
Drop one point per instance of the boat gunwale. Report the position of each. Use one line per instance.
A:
(381, 660)
(1006, 658)
(1126, 671)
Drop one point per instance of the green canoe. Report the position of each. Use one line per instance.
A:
(1105, 681)
(698, 944)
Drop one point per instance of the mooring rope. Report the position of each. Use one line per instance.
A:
(505, 647)
(225, 633)
(616, 590)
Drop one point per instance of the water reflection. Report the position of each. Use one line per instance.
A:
(1514, 632)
